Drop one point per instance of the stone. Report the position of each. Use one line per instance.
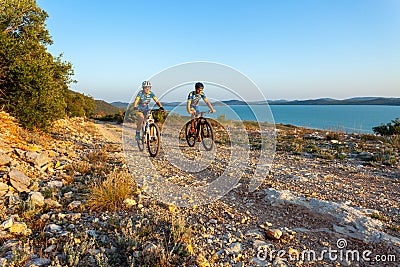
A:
(258, 244)
(352, 222)
(4, 159)
(50, 248)
(68, 194)
(201, 261)
(74, 204)
(234, 248)
(279, 263)
(19, 180)
(150, 248)
(55, 184)
(53, 227)
(19, 228)
(213, 221)
(38, 159)
(3, 189)
(74, 216)
(7, 223)
(130, 202)
(255, 233)
(36, 199)
(52, 203)
(38, 262)
(366, 156)
(260, 262)
(274, 234)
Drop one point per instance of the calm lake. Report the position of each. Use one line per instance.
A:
(345, 118)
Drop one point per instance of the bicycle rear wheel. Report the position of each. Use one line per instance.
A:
(153, 140)
(140, 141)
(207, 135)
(190, 137)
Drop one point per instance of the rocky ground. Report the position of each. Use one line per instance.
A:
(67, 198)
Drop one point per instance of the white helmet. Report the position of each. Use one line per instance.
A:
(146, 84)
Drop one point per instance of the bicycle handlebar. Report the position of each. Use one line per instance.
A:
(201, 113)
(151, 110)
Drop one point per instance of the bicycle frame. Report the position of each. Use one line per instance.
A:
(150, 135)
(146, 125)
(196, 120)
(195, 133)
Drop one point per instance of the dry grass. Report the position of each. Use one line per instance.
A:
(110, 193)
(21, 253)
(100, 155)
(165, 240)
(394, 141)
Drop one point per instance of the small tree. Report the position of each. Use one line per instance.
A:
(32, 82)
(392, 128)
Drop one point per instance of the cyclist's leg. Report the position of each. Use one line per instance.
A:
(140, 119)
(196, 110)
(139, 123)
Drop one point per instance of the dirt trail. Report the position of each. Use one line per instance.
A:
(111, 132)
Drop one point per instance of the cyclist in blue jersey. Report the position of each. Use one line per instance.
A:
(141, 104)
(194, 99)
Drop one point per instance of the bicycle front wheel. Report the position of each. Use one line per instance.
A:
(153, 140)
(190, 137)
(207, 135)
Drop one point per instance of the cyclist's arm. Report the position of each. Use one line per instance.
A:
(209, 105)
(188, 106)
(136, 103)
(157, 102)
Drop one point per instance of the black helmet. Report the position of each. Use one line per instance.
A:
(199, 85)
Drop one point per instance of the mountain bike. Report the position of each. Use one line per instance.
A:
(200, 130)
(149, 135)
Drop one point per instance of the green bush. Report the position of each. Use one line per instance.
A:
(79, 105)
(118, 117)
(392, 128)
(160, 116)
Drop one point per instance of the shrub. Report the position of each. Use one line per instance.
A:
(392, 128)
(79, 105)
(111, 193)
(118, 117)
(160, 116)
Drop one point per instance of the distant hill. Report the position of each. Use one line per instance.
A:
(320, 101)
(350, 101)
(104, 108)
(120, 104)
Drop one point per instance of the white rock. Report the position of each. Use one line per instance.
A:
(53, 227)
(50, 248)
(54, 184)
(74, 204)
(3, 189)
(19, 180)
(7, 223)
(36, 199)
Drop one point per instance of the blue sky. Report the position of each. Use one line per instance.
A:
(295, 49)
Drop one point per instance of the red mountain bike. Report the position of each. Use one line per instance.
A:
(199, 129)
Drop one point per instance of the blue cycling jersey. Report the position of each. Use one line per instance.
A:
(144, 99)
(195, 98)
